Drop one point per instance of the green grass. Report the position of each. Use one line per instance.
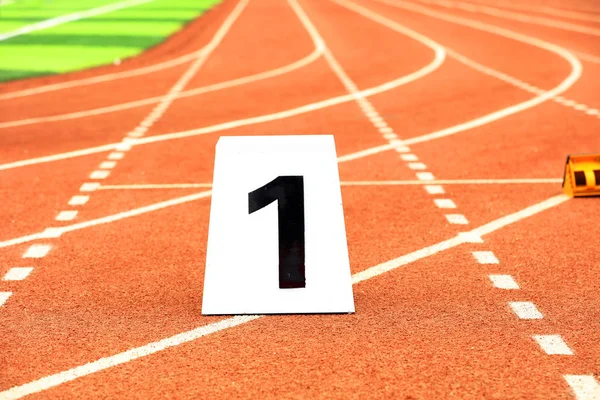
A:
(88, 42)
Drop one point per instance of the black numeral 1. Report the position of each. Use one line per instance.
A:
(289, 193)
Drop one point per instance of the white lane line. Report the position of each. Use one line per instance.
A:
(184, 337)
(368, 109)
(465, 181)
(457, 219)
(123, 146)
(409, 157)
(585, 387)
(417, 166)
(431, 189)
(107, 164)
(425, 176)
(17, 273)
(99, 174)
(434, 189)
(117, 155)
(51, 233)
(78, 200)
(111, 218)
(515, 16)
(89, 187)
(444, 203)
(587, 57)
(156, 186)
(183, 94)
(485, 257)
(110, 77)
(504, 282)
(3, 298)
(553, 344)
(481, 231)
(66, 215)
(63, 19)
(37, 251)
(576, 70)
(509, 219)
(550, 11)
(525, 310)
(470, 237)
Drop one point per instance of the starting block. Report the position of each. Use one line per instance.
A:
(582, 175)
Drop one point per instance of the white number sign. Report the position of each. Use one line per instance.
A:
(276, 238)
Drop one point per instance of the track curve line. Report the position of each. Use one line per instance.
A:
(108, 77)
(542, 95)
(515, 16)
(314, 55)
(437, 61)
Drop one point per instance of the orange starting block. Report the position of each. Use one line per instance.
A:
(582, 175)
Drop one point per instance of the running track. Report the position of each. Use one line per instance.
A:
(106, 194)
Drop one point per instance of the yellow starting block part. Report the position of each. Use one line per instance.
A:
(582, 175)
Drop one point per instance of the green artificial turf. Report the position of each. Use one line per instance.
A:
(88, 42)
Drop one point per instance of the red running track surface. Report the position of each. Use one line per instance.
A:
(489, 106)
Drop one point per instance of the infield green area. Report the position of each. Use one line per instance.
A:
(41, 37)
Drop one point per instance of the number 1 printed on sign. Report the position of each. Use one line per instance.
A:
(288, 191)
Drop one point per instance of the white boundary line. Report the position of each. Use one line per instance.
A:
(110, 218)
(514, 16)
(563, 86)
(582, 16)
(237, 123)
(63, 19)
(104, 363)
(105, 77)
(315, 54)
(544, 96)
(351, 183)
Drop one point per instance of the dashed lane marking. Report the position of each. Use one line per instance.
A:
(99, 174)
(485, 257)
(66, 215)
(457, 219)
(116, 155)
(409, 157)
(506, 282)
(78, 200)
(417, 165)
(434, 189)
(89, 186)
(123, 146)
(425, 176)
(107, 164)
(444, 203)
(525, 310)
(585, 387)
(37, 251)
(553, 344)
(17, 273)
(51, 233)
(470, 237)
(3, 298)
(60, 378)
